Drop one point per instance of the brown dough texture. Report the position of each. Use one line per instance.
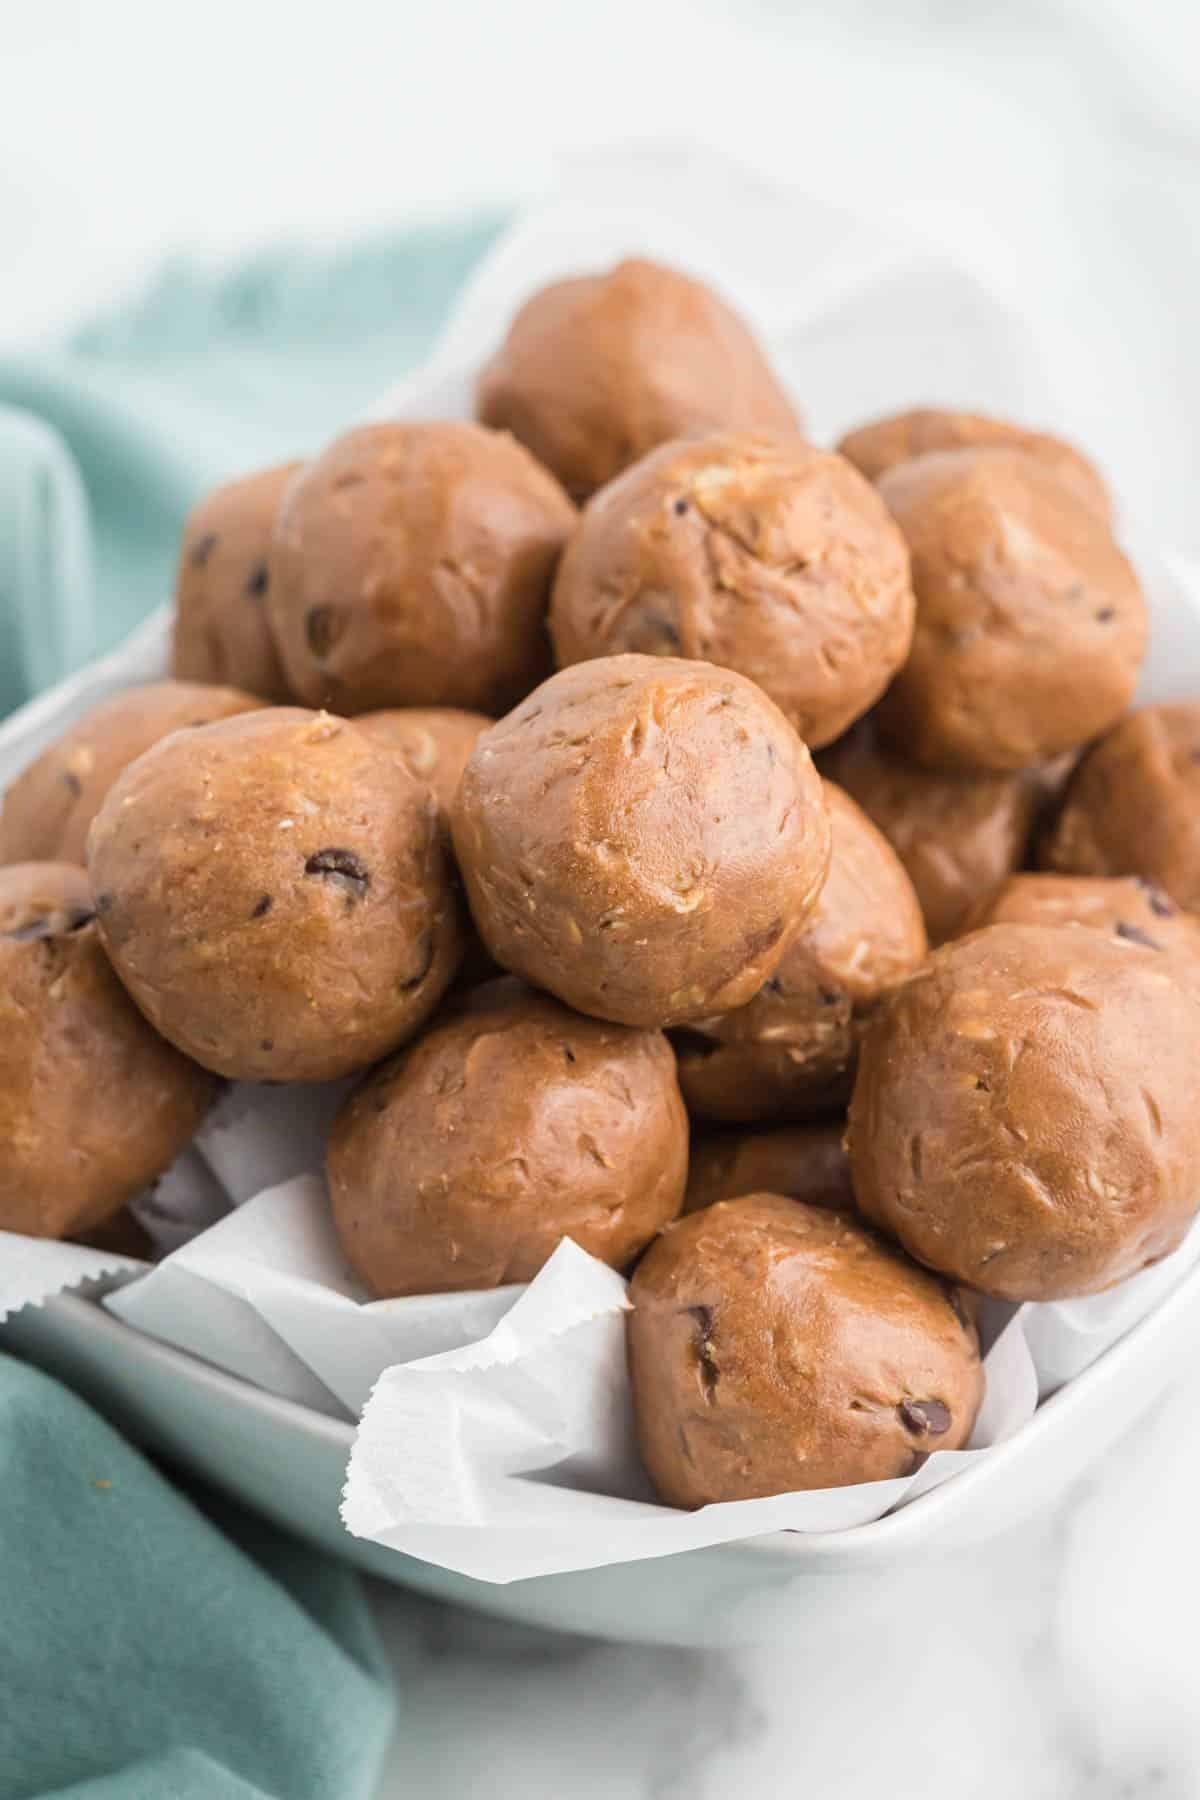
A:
(879, 446)
(644, 837)
(222, 632)
(1025, 1114)
(599, 370)
(49, 807)
(763, 555)
(435, 742)
(1133, 806)
(804, 1162)
(1124, 906)
(411, 566)
(463, 1161)
(275, 894)
(93, 1104)
(775, 1346)
(958, 836)
(1031, 624)
(790, 1052)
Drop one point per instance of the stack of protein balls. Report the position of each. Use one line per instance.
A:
(605, 946)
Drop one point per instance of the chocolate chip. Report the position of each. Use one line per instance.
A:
(931, 1416)
(1106, 615)
(71, 781)
(36, 928)
(256, 581)
(1159, 903)
(51, 925)
(261, 907)
(344, 869)
(681, 507)
(709, 1372)
(1135, 935)
(1195, 754)
(104, 904)
(80, 918)
(267, 1044)
(323, 626)
(569, 1054)
(774, 986)
(830, 996)
(202, 549)
(425, 963)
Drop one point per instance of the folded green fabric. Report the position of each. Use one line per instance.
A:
(201, 378)
(144, 1653)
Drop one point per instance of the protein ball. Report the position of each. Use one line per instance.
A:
(879, 446)
(1124, 906)
(275, 894)
(644, 837)
(598, 370)
(790, 1052)
(1031, 624)
(763, 555)
(93, 1104)
(222, 632)
(466, 1159)
(1133, 805)
(49, 807)
(435, 742)
(411, 566)
(804, 1162)
(1025, 1113)
(775, 1346)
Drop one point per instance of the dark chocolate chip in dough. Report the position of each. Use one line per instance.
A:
(256, 581)
(1159, 903)
(203, 548)
(1135, 935)
(709, 1373)
(262, 907)
(932, 1416)
(342, 867)
(71, 781)
(323, 626)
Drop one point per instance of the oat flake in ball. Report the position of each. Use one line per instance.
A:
(1031, 624)
(598, 370)
(763, 555)
(93, 1103)
(49, 807)
(275, 894)
(464, 1160)
(775, 1346)
(644, 837)
(222, 632)
(789, 1053)
(1024, 1117)
(411, 566)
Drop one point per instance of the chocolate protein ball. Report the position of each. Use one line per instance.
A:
(1031, 624)
(763, 555)
(1025, 1116)
(93, 1104)
(435, 742)
(644, 837)
(598, 370)
(411, 566)
(958, 836)
(49, 807)
(804, 1162)
(275, 894)
(1124, 906)
(222, 632)
(1133, 805)
(775, 1346)
(790, 1052)
(463, 1161)
(879, 446)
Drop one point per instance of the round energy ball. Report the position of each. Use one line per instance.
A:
(1025, 1114)
(1133, 805)
(222, 632)
(463, 1161)
(435, 742)
(879, 446)
(958, 836)
(763, 555)
(790, 1052)
(775, 1346)
(598, 370)
(644, 837)
(49, 807)
(1124, 906)
(275, 895)
(411, 566)
(93, 1104)
(803, 1162)
(1031, 624)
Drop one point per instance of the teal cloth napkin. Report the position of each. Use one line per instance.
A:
(146, 1654)
(107, 438)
